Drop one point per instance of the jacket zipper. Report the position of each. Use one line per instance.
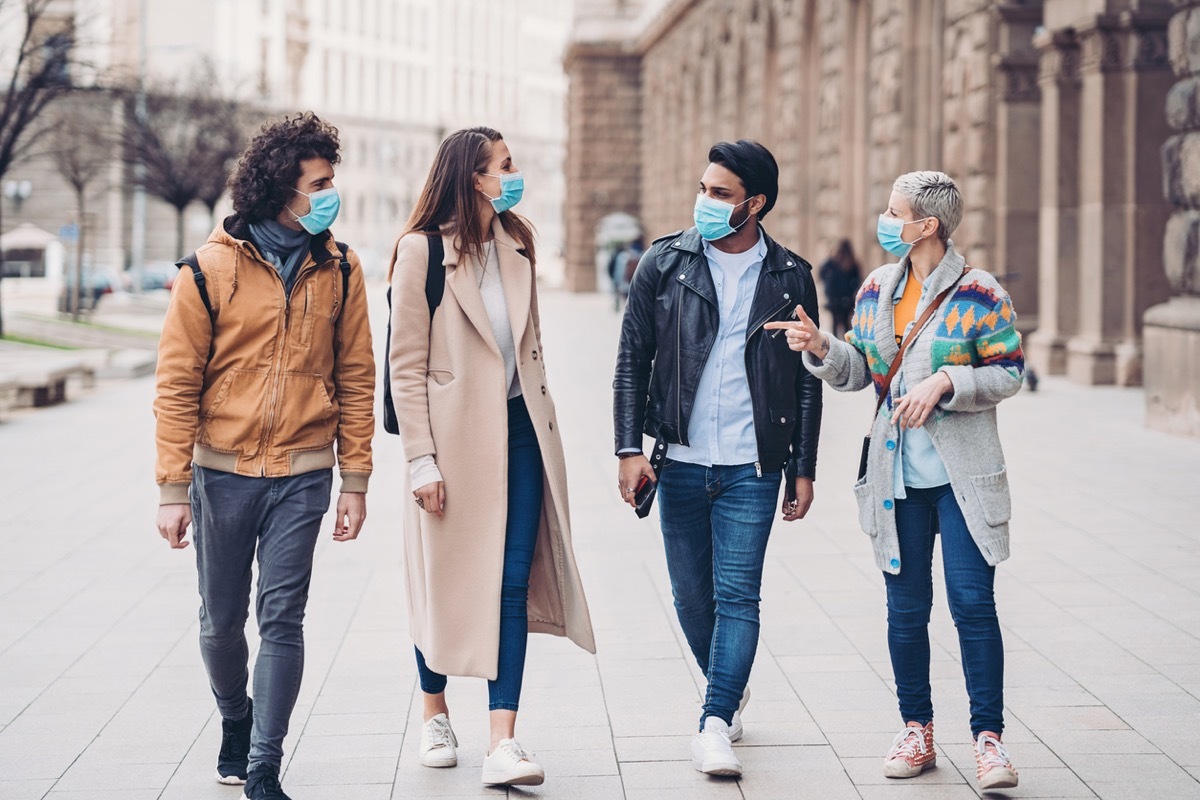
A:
(277, 378)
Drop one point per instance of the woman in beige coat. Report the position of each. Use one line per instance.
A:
(487, 539)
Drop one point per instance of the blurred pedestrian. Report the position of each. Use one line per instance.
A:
(264, 366)
(488, 536)
(938, 341)
(733, 413)
(626, 264)
(841, 277)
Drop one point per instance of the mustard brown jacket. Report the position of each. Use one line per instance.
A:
(268, 384)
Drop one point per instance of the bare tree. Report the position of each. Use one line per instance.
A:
(186, 142)
(82, 149)
(37, 70)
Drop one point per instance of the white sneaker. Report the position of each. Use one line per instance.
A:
(438, 743)
(510, 765)
(712, 752)
(735, 730)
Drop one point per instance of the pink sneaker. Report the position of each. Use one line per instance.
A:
(993, 767)
(912, 751)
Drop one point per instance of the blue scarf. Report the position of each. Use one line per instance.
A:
(283, 247)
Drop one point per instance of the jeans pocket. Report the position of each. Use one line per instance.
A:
(992, 495)
(866, 507)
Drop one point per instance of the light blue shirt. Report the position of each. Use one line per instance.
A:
(917, 461)
(721, 428)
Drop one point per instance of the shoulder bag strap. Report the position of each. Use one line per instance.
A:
(912, 334)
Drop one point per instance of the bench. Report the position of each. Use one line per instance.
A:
(41, 374)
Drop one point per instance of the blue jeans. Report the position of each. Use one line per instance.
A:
(520, 538)
(233, 518)
(969, 582)
(715, 523)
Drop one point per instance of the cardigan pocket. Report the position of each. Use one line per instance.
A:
(866, 507)
(991, 492)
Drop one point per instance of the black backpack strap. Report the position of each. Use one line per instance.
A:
(193, 262)
(435, 276)
(344, 249)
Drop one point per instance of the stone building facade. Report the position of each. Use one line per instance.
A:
(1049, 113)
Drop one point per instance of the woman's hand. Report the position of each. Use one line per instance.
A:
(432, 498)
(802, 334)
(914, 408)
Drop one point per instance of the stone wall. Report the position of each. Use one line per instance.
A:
(1047, 112)
(1172, 333)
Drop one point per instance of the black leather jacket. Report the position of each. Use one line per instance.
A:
(669, 329)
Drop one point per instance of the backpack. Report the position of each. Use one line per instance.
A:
(193, 262)
(435, 287)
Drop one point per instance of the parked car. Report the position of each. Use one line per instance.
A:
(155, 275)
(95, 285)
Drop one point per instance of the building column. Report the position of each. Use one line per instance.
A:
(1125, 77)
(1018, 115)
(1058, 215)
(1172, 329)
(603, 165)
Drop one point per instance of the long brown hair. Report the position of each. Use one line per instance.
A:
(449, 195)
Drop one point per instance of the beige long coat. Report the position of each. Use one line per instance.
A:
(450, 391)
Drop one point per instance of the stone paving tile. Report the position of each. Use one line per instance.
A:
(102, 691)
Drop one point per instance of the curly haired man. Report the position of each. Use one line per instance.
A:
(266, 380)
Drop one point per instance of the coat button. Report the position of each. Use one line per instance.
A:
(783, 420)
(535, 355)
(682, 275)
(787, 297)
(895, 563)
(551, 426)
(790, 264)
(888, 504)
(891, 445)
(543, 390)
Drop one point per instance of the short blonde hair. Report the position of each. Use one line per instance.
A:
(932, 194)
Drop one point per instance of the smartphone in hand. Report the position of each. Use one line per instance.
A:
(643, 496)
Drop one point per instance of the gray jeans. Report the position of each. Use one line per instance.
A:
(280, 518)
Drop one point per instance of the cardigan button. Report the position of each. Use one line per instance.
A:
(895, 563)
(888, 504)
(891, 445)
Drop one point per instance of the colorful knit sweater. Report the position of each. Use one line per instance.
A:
(976, 328)
(973, 340)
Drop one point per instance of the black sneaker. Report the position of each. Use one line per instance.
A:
(263, 784)
(235, 748)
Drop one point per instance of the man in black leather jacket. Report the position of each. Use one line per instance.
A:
(732, 411)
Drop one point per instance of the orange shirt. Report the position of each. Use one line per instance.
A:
(905, 311)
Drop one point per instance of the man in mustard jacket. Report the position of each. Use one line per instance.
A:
(266, 379)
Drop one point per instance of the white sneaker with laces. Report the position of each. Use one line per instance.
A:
(510, 765)
(712, 752)
(735, 730)
(438, 743)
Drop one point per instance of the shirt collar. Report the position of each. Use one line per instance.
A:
(760, 249)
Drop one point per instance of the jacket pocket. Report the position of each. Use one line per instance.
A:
(233, 421)
(991, 492)
(782, 417)
(442, 377)
(866, 507)
(305, 418)
(310, 312)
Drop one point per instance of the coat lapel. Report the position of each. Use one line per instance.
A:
(516, 277)
(461, 282)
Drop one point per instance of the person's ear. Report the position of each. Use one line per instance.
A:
(930, 228)
(757, 204)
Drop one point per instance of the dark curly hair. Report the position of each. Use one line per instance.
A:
(267, 171)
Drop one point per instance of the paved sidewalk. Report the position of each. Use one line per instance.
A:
(102, 694)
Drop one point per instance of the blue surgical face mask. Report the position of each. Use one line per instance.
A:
(712, 217)
(323, 207)
(888, 230)
(512, 187)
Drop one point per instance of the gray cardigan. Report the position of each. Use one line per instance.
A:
(981, 354)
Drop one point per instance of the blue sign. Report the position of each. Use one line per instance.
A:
(68, 232)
